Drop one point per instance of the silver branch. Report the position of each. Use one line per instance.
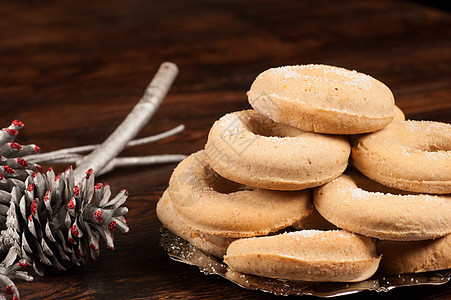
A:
(53, 156)
(135, 120)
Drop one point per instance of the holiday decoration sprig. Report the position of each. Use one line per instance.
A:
(56, 221)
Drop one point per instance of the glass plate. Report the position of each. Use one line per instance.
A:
(180, 250)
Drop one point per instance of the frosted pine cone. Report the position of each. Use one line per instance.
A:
(47, 221)
(55, 224)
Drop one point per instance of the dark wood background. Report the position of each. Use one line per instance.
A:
(72, 70)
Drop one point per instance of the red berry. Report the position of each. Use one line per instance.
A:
(98, 216)
(88, 173)
(30, 187)
(46, 196)
(9, 170)
(71, 204)
(11, 131)
(9, 289)
(74, 230)
(76, 190)
(112, 225)
(34, 207)
(15, 146)
(17, 123)
(22, 264)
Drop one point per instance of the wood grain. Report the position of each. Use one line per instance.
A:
(71, 71)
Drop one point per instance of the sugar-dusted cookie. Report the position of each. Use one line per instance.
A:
(307, 255)
(358, 204)
(408, 155)
(249, 148)
(214, 205)
(323, 99)
(415, 257)
(210, 244)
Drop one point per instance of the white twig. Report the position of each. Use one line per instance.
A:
(157, 137)
(62, 153)
(58, 157)
(68, 159)
(135, 120)
(142, 161)
(125, 161)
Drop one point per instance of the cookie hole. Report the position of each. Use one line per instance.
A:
(371, 186)
(263, 126)
(437, 148)
(223, 185)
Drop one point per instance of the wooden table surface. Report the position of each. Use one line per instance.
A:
(72, 70)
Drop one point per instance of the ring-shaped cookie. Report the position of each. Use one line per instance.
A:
(249, 148)
(210, 244)
(408, 155)
(415, 257)
(307, 255)
(323, 99)
(358, 204)
(214, 205)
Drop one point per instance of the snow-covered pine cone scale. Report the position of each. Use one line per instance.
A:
(8, 148)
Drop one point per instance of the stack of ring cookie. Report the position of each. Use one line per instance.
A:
(273, 193)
